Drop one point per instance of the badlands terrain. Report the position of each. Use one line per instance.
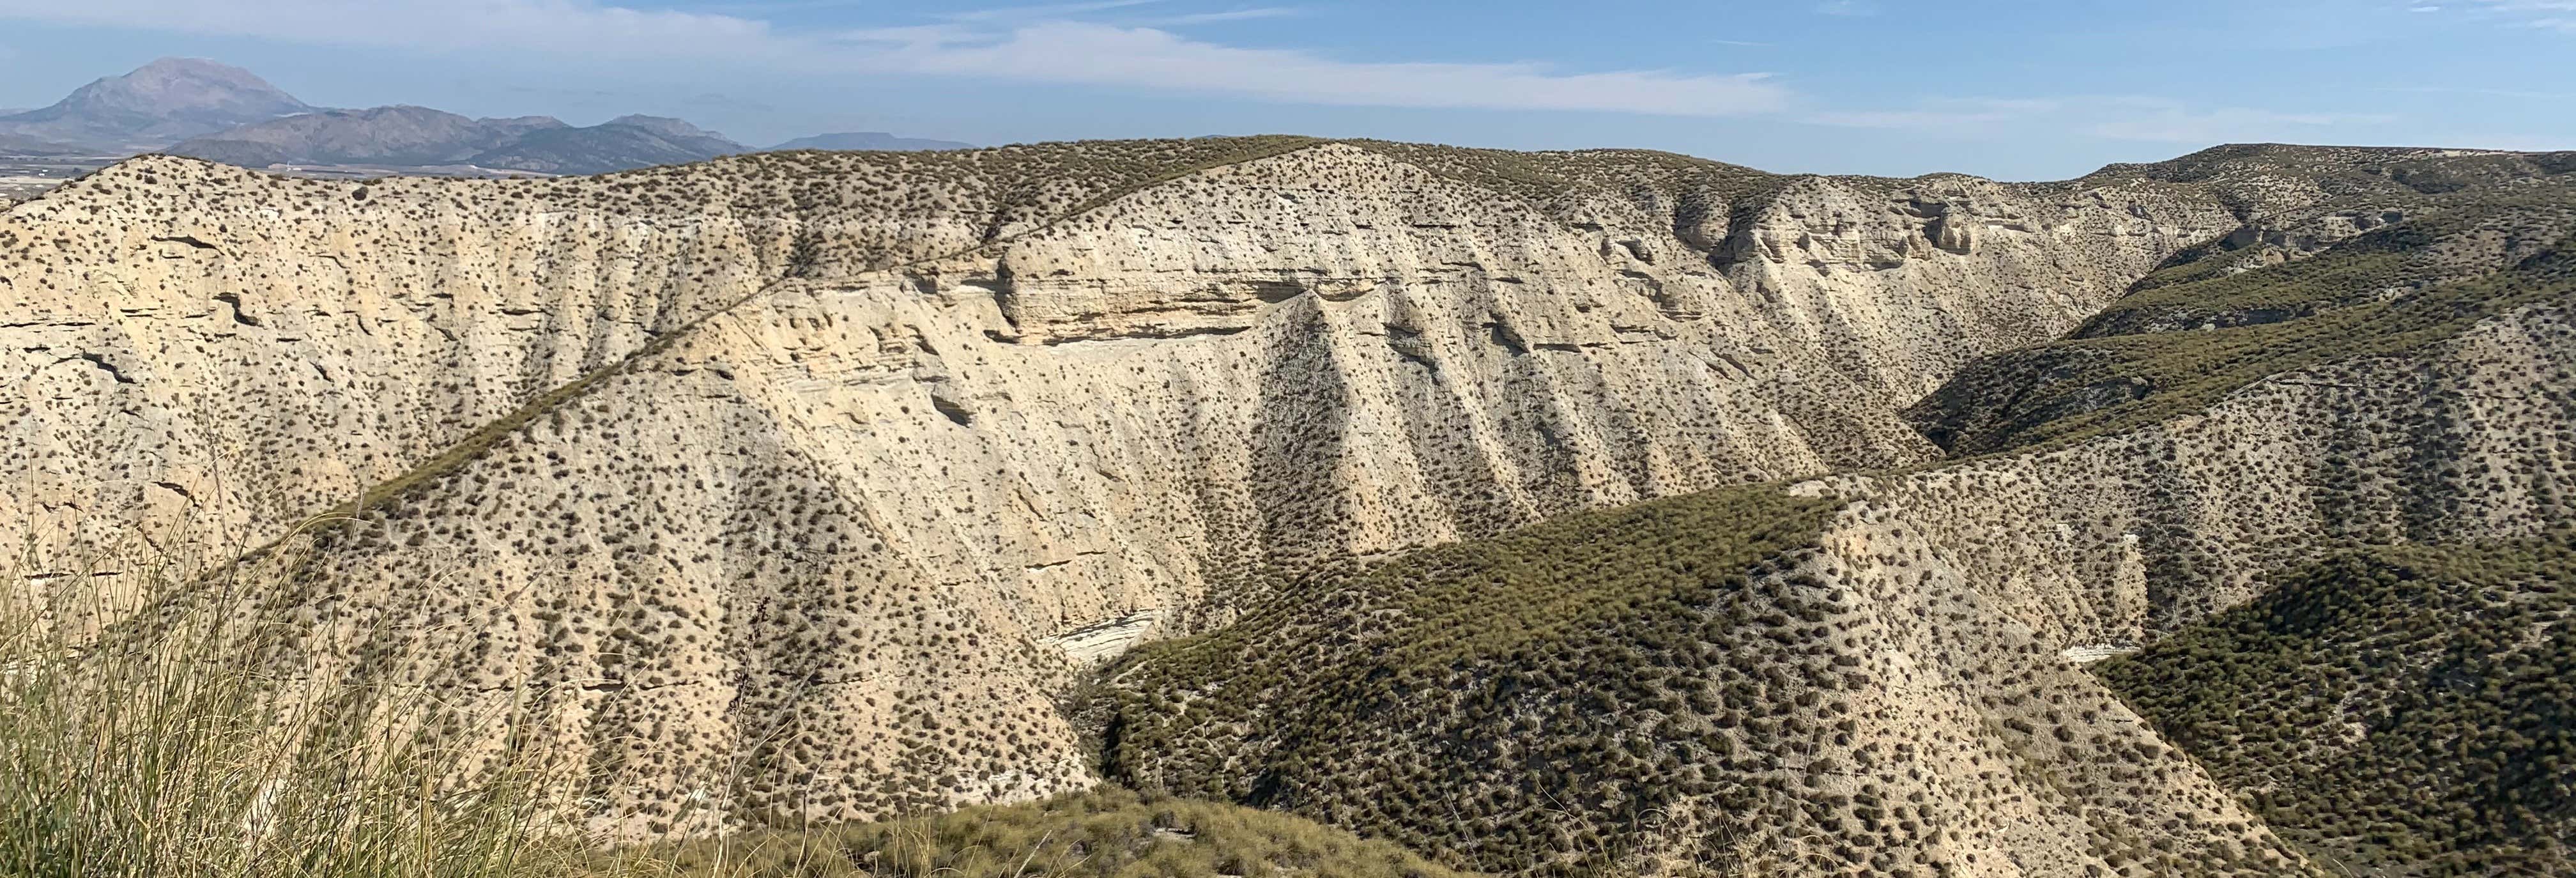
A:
(1600, 512)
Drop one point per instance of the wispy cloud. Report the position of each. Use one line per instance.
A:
(1107, 55)
(2114, 118)
(1046, 10)
(1219, 17)
(1848, 8)
(2527, 94)
(2517, 142)
(1026, 44)
(2554, 15)
(2155, 119)
(1946, 113)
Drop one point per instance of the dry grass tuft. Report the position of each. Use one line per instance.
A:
(141, 733)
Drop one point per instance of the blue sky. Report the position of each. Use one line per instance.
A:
(2013, 90)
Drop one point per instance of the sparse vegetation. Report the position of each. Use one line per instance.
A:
(1703, 681)
(779, 480)
(2401, 710)
(2378, 294)
(1104, 833)
(1514, 665)
(140, 738)
(142, 734)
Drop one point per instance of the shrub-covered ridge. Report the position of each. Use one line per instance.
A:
(1104, 833)
(2409, 709)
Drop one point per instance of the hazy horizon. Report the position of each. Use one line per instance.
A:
(1996, 89)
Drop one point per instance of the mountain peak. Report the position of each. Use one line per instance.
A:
(202, 68)
(182, 86)
(160, 103)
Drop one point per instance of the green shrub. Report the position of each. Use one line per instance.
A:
(2410, 709)
(1107, 833)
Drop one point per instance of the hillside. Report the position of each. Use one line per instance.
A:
(1735, 679)
(810, 486)
(1924, 634)
(2405, 708)
(2389, 264)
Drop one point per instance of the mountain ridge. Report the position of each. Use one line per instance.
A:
(209, 110)
(407, 136)
(157, 104)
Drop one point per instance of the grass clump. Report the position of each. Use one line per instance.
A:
(145, 737)
(1104, 833)
(2402, 710)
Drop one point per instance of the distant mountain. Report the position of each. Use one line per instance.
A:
(421, 137)
(14, 145)
(877, 141)
(674, 130)
(619, 144)
(400, 135)
(159, 104)
(211, 111)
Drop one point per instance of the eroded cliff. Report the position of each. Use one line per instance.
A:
(804, 486)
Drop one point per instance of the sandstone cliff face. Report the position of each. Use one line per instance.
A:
(171, 318)
(893, 436)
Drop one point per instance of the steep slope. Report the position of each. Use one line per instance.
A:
(1934, 615)
(173, 319)
(2410, 710)
(156, 105)
(1739, 680)
(2331, 275)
